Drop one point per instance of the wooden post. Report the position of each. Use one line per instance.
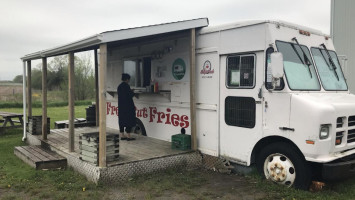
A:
(71, 101)
(97, 88)
(23, 101)
(102, 105)
(44, 98)
(193, 89)
(29, 89)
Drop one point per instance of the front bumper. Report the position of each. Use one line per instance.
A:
(339, 169)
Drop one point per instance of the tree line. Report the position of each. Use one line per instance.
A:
(57, 76)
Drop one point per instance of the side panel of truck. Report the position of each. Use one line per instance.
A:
(241, 112)
(235, 143)
(237, 140)
(207, 97)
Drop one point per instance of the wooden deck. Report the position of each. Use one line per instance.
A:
(143, 148)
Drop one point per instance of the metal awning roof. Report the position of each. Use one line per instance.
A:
(118, 35)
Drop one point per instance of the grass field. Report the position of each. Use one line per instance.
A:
(12, 92)
(19, 181)
(54, 113)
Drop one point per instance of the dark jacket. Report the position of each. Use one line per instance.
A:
(126, 108)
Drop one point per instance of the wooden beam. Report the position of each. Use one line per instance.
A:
(193, 88)
(29, 89)
(102, 105)
(23, 102)
(71, 101)
(44, 98)
(97, 88)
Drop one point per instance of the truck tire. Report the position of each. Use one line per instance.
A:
(283, 164)
(139, 129)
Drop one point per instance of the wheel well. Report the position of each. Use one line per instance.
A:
(269, 140)
(140, 123)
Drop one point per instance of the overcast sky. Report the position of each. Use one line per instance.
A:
(30, 26)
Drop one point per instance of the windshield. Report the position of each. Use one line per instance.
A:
(298, 66)
(332, 79)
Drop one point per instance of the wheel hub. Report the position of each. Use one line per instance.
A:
(278, 172)
(279, 169)
(138, 130)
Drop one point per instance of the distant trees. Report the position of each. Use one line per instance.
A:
(84, 78)
(57, 76)
(18, 79)
(57, 73)
(36, 77)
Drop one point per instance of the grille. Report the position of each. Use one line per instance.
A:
(351, 129)
(345, 129)
(351, 136)
(339, 136)
(351, 121)
(340, 122)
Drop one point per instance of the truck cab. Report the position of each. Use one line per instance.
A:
(269, 93)
(283, 101)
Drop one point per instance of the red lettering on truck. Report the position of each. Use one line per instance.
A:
(154, 115)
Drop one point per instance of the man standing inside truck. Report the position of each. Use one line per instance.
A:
(126, 108)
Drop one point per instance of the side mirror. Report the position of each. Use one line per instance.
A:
(277, 65)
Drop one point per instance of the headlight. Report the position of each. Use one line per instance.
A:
(324, 131)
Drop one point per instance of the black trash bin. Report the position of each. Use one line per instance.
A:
(91, 114)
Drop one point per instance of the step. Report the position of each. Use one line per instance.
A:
(40, 158)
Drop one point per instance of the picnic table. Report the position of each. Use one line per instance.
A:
(10, 120)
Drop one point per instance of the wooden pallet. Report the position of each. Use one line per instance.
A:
(35, 125)
(40, 158)
(89, 147)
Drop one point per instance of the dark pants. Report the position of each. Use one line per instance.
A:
(128, 129)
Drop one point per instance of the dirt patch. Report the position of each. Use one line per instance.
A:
(229, 187)
(211, 185)
(7, 193)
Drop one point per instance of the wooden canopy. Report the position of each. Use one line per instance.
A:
(100, 42)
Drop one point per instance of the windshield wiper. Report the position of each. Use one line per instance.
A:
(330, 60)
(321, 53)
(305, 57)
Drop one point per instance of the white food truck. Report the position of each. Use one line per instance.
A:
(267, 92)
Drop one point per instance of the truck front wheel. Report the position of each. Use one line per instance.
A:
(282, 164)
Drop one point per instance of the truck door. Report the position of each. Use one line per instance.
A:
(240, 106)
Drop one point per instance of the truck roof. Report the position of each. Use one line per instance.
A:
(124, 34)
(211, 29)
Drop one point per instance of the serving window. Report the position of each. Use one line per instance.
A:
(241, 71)
(139, 70)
